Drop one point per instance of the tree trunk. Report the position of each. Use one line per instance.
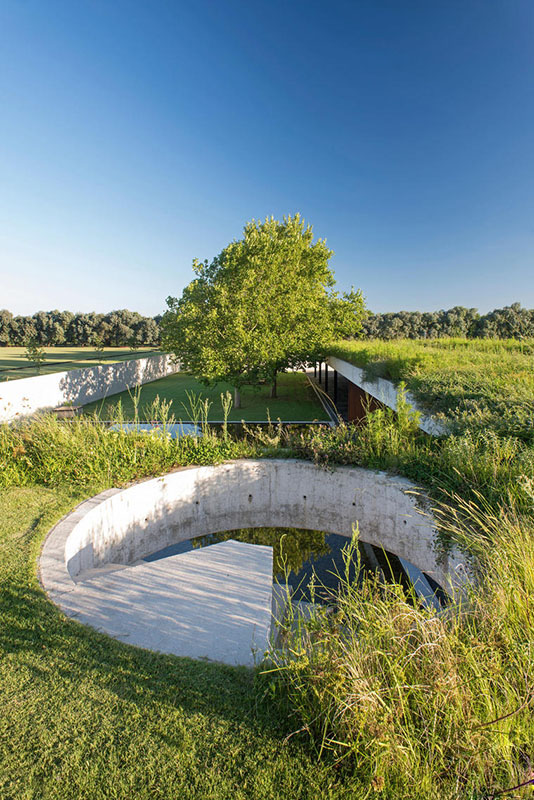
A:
(273, 388)
(237, 398)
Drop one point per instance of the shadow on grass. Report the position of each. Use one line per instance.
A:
(85, 716)
(54, 646)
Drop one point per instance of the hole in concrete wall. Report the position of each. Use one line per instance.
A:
(114, 541)
(300, 554)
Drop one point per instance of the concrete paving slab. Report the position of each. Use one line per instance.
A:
(212, 603)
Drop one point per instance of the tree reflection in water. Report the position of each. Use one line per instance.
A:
(306, 558)
(292, 547)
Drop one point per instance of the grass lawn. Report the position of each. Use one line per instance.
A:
(84, 716)
(295, 401)
(12, 358)
(477, 383)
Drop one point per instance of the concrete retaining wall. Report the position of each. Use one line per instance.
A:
(79, 386)
(384, 391)
(124, 526)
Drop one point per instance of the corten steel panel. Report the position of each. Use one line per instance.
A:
(360, 403)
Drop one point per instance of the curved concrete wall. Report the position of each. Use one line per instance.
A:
(79, 386)
(123, 526)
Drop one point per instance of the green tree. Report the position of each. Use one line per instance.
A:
(6, 326)
(98, 345)
(265, 304)
(35, 353)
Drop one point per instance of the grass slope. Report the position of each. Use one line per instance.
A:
(14, 358)
(83, 716)
(474, 383)
(424, 709)
(295, 400)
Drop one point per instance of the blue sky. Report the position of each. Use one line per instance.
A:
(135, 136)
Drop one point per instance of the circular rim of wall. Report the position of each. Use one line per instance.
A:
(239, 486)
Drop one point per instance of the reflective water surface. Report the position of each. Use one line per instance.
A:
(299, 555)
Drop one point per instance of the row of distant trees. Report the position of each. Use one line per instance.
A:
(127, 328)
(510, 322)
(53, 328)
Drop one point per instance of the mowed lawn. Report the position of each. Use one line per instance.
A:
(85, 717)
(14, 363)
(296, 400)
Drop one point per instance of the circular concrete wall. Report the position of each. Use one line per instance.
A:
(122, 526)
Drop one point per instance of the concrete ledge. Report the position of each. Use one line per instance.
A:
(385, 391)
(121, 527)
(214, 602)
(22, 397)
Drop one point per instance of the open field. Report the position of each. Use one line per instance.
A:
(83, 716)
(295, 401)
(474, 383)
(14, 364)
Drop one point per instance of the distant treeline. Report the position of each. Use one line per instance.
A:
(510, 322)
(123, 328)
(52, 328)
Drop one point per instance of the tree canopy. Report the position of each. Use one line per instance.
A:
(510, 322)
(264, 304)
(56, 328)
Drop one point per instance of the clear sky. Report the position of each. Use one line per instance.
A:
(137, 135)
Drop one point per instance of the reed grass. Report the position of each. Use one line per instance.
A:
(418, 705)
(400, 703)
(82, 452)
(471, 463)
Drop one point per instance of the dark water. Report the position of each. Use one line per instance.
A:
(301, 555)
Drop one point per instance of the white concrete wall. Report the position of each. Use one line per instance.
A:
(384, 391)
(19, 398)
(123, 526)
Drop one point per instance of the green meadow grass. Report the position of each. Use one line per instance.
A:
(472, 383)
(15, 365)
(423, 705)
(379, 699)
(84, 716)
(295, 402)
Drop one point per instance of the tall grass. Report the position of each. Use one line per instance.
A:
(415, 705)
(419, 705)
(471, 463)
(474, 384)
(83, 452)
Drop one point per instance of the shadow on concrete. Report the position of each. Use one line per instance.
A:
(213, 603)
(82, 386)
